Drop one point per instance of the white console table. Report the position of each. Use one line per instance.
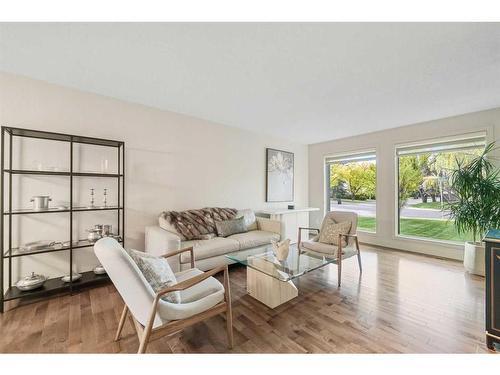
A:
(290, 220)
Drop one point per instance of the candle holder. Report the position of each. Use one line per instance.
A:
(91, 198)
(105, 197)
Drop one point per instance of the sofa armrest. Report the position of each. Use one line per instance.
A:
(158, 242)
(269, 225)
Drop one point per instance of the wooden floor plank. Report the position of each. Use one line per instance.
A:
(402, 303)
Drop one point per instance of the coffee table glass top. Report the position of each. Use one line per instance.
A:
(264, 260)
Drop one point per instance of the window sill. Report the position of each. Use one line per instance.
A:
(364, 231)
(450, 244)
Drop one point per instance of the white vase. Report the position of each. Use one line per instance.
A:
(474, 258)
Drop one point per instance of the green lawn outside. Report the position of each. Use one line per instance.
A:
(367, 223)
(436, 205)
(435, 229)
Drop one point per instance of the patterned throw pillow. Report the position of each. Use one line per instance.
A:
(228, 227)
(331, 230)
(157, 273)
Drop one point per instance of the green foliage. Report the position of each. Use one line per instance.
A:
(476, 183)
(359, 178)
(410, 177)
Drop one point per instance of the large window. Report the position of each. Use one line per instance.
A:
(424, 173)
(351, 182)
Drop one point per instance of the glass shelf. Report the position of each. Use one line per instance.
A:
(18, 252)
(29, 211)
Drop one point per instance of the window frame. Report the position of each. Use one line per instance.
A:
(464, 137)
(326, 178)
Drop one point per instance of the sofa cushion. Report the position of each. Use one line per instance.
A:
(254, 238)
(250, 219)
(208, 248)
(195, 300)
(200, 290)
(320, 247)
(227, 228)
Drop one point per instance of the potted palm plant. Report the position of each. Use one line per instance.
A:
(476, 209)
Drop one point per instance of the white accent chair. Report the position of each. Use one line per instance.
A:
(202, 296)
(339, 252)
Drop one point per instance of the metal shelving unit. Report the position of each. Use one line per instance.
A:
(8, 253)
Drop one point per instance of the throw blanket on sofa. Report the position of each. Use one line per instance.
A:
(195, 224)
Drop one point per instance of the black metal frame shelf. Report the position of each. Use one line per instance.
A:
(56, 285)
(29, 211)
(8, 252)
(64, 174)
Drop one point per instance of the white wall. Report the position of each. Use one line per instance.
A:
(385, 143)
(173, 161)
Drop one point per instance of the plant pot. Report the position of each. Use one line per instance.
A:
(474, 258)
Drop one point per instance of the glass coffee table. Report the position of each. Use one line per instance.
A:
(271, 281)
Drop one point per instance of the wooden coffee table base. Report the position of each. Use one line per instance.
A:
(268, 290)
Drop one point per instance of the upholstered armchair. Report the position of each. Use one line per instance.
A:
(202, 296)
(339, 252)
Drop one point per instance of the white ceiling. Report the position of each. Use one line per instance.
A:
(304, 82)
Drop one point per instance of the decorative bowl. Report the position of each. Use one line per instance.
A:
(66, 278)
(99, 270)
(39, 245)
(31, 282)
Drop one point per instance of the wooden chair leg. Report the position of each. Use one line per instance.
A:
(122, 322)
(359, 256)
(339, 269)
(144, 341)
(339, 260)
(229, 311)
(229, 323)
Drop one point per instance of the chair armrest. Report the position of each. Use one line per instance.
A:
(171, 254)
(192, 281)
(348, 236)
(299, 239)
(268, 225)
(304, 228)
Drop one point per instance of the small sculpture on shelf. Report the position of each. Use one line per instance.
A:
(95, 233)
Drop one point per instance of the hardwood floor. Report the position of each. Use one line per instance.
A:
(402, 303)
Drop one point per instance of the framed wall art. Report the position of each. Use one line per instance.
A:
(279, 175)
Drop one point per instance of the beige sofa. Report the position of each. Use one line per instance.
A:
(208, 254)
